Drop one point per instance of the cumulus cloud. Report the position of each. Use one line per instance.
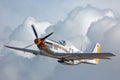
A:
(25, 31)
(75, 27)
(23, 35)
(83, 27)
(15, 67)
(97, 30)
(111, 39)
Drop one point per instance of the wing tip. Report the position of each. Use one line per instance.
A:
(111, 54)
(6, 46)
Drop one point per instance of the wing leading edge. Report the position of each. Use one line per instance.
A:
(35, 52)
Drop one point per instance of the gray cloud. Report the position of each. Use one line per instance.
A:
(15, 67)
(87, 26)
(83, 27)
(75, 27)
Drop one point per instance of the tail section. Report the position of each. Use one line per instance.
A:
(97, 50)
(95, 60)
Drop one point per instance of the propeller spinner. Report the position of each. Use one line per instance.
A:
(40, 42)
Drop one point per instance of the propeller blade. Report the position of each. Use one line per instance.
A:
(34, 31)
(29, 45)
(47, 36)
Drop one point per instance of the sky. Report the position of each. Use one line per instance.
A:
(81, 22)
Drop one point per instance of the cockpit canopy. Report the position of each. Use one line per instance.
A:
(62, 42)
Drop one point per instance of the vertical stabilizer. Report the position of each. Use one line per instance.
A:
(97, 50)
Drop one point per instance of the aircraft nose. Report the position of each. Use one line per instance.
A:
(37, 41)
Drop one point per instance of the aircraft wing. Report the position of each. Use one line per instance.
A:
(35, 52)
(69, 56)
(76, 56)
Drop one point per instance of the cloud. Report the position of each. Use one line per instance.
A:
(83, 27)
(75, 27)
(15, 67)
(97, 30)
(24, 30)
(23, 35)
(111, 39)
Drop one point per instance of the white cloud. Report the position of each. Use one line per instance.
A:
(98, 29)
(75, 27)
(82, 27)
(15, 67)
(85, 27)
(23, 35)
(24, 32)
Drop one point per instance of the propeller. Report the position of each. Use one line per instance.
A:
(37, 35)
(47, 36)
(40, 42)
(34, 31)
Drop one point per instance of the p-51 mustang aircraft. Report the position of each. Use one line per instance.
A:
(64, 53)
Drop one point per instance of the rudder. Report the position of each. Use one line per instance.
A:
(97, 50)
